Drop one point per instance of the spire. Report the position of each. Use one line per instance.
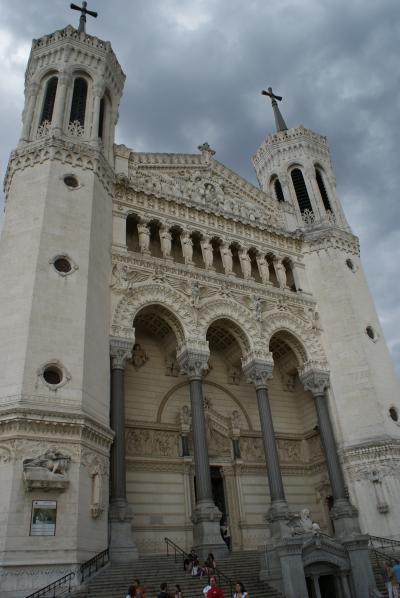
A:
(84, 11)
(279, 121)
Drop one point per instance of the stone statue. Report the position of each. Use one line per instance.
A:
(304, 524)
(165, 241)
(187, 248)
(208, 255)
(256, 303)
(52, 461)
(235, 420)
(195, 292)
(263, 268)
(185, 415)
(120, 276)
(226, 257)
(245, 263)
(139, 356)
(171, 366)
(234, 373)
(144, 238)
(280, 273)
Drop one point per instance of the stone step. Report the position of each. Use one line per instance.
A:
(114, 580)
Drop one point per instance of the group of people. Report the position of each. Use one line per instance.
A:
(211, 590)
(192, 565)
(391, 576)
(137, 590)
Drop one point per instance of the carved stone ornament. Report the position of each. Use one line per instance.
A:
(314, 378)
(120, 351)
(258, 370)
(139, 356)
(193, 361)
(303, 524)
(47, 472)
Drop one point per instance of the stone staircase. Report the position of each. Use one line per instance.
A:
(114, 580)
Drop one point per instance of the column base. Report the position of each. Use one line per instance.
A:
(361, 569)
(278, 518)
(345, 518)
(206, 530)
(122, 547)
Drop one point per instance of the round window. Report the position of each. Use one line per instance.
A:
(394, 414)
(71, 181)
(62, 264)
(52, 375)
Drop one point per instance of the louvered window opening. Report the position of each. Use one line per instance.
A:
(278, 190)
(301, 191)
(49, 100)
(101, 118)
(78, 107)
(322, 190)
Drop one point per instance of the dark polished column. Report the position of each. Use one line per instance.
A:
(258, 372)
(122, 546)
(343, 513)
(206, 516)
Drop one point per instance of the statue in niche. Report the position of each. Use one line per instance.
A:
(256, 303)
(139, 356)
(52, 461)
(184, 416)
(226, 257)
(144, 238)
(245, 263)
(235, 420)
(187, 248)
(195, 294)
(280, 273)
(234, 373)
(263, 268)
(303, 524)
(165, 242)
(207, 251)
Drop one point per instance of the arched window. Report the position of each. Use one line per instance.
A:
(322, 190)
(78, 106)
(278, 190)
(301, 190)
(49, 99)
(101, 117)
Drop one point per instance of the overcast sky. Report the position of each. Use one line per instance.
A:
(195, 69)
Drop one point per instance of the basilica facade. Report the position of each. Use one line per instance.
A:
(181, 349)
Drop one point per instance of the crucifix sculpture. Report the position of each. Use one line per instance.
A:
(84, 11)
(279, 121)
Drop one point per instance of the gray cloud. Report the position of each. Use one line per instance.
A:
(195, 69)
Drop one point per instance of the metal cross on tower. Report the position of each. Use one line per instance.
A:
(279, 121)
(84, 11)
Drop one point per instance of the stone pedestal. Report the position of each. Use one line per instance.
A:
(122, 547)
(206, 530)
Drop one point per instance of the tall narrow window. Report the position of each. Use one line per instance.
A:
(78, 106)
(49, 99)
(101, 118)
(301, 190)
(278, 190)
(322, 190)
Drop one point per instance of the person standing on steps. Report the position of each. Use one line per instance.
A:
(178, 591)
(164, 591)
(140, 589)
(214, 591)
(131, 592)
(240, 592)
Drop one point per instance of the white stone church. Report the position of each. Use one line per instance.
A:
(180, 349)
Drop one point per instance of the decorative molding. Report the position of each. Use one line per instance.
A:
(120, 351)
(315, 377)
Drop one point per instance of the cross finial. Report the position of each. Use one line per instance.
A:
(84, 11)
(279, 121)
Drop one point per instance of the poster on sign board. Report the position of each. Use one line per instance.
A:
(43, 522)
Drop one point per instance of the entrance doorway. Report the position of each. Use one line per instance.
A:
(218, 491)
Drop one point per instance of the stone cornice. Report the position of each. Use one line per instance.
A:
(35, 423)
(322, 237)
(76, 154)
(371, 451)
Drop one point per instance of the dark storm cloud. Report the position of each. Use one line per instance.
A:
(194, 73)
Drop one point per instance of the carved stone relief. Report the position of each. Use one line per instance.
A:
(152, 443)
(47, 471)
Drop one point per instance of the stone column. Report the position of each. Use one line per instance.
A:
(64, 81)
(122, 546)
(98, 90)
(30, 107)
(258, 372)
(345, 515)
(317, 591)
(193, 361)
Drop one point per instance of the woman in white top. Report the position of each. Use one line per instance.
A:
(240, 591)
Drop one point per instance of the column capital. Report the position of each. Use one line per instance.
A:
(120, 351)
(258, 368)
(193, 359)
(314, 377)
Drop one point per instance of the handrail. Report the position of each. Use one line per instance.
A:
(217, 572)
(381, 540)
(382, 555)
(102, 557)
(53, 587)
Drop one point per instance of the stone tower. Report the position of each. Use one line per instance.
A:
(54, 310)
(294, 166)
